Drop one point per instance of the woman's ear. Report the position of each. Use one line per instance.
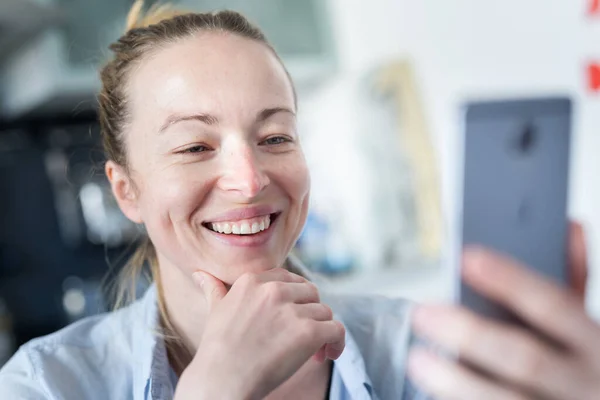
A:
(124, 191)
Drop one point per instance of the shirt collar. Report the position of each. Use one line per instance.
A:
(151, 375)
(352, 369)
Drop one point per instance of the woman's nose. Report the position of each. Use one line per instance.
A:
(243, 174)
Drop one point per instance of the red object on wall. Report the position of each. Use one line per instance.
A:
(594, 77)
(594, 7)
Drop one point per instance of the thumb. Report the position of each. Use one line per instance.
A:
(213, 289)
(578, 263)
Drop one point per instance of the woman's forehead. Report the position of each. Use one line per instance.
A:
(215, 73)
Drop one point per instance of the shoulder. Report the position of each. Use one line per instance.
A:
(380, 328)
(370, 306)
(368, 317)
(374, 319)
(83, 358)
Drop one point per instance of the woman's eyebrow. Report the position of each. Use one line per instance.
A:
(268, 112)
(212, 120)
(174, 119)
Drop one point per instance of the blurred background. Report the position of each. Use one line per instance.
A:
(381, 86)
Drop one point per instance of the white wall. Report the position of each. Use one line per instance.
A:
(466, 49)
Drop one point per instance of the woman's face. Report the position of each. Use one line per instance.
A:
(217, 173)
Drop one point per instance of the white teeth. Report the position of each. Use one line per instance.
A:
(245, 229)
(249, 227)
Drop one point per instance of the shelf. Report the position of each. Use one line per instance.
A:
(21, 20)
(432, 283)
(56, 71)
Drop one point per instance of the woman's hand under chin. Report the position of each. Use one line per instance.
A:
(257, 335)
(559, 361)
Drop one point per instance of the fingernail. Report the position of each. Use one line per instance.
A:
(198, 278)
(334, 352)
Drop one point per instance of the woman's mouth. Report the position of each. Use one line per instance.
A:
(245, 227)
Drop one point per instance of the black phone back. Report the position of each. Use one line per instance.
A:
(515, 185)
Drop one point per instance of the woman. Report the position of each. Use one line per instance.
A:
(198, 120)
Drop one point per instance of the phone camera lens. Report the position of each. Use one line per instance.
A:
(526, 139)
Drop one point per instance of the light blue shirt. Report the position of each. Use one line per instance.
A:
(119, 356)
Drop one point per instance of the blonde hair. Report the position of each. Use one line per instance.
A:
(145, 33)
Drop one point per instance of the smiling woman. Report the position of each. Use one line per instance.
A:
(180, 123)
(198, 117)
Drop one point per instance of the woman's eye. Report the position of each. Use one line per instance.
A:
(275, 140)
(195, 149)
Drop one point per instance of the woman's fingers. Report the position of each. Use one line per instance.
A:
(213, 289)
(323, 339)
(447, 380)
(286, 292)
(321, 312)
(509, 361)
(578, 270)
(279, 285)
(320, 355)
(509, 353)
(282, 275)
(314, 311)
(333, 334)
(551, 309)
(333, 351)
(318, 312)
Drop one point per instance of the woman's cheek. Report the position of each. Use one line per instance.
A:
(176, 196)
(295, 177)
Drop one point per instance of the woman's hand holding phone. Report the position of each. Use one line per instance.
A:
(258, 334)
(558, 359)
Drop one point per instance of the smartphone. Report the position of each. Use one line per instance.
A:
(515, 185)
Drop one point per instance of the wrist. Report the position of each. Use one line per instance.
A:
(205, 382)
(191, 386)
